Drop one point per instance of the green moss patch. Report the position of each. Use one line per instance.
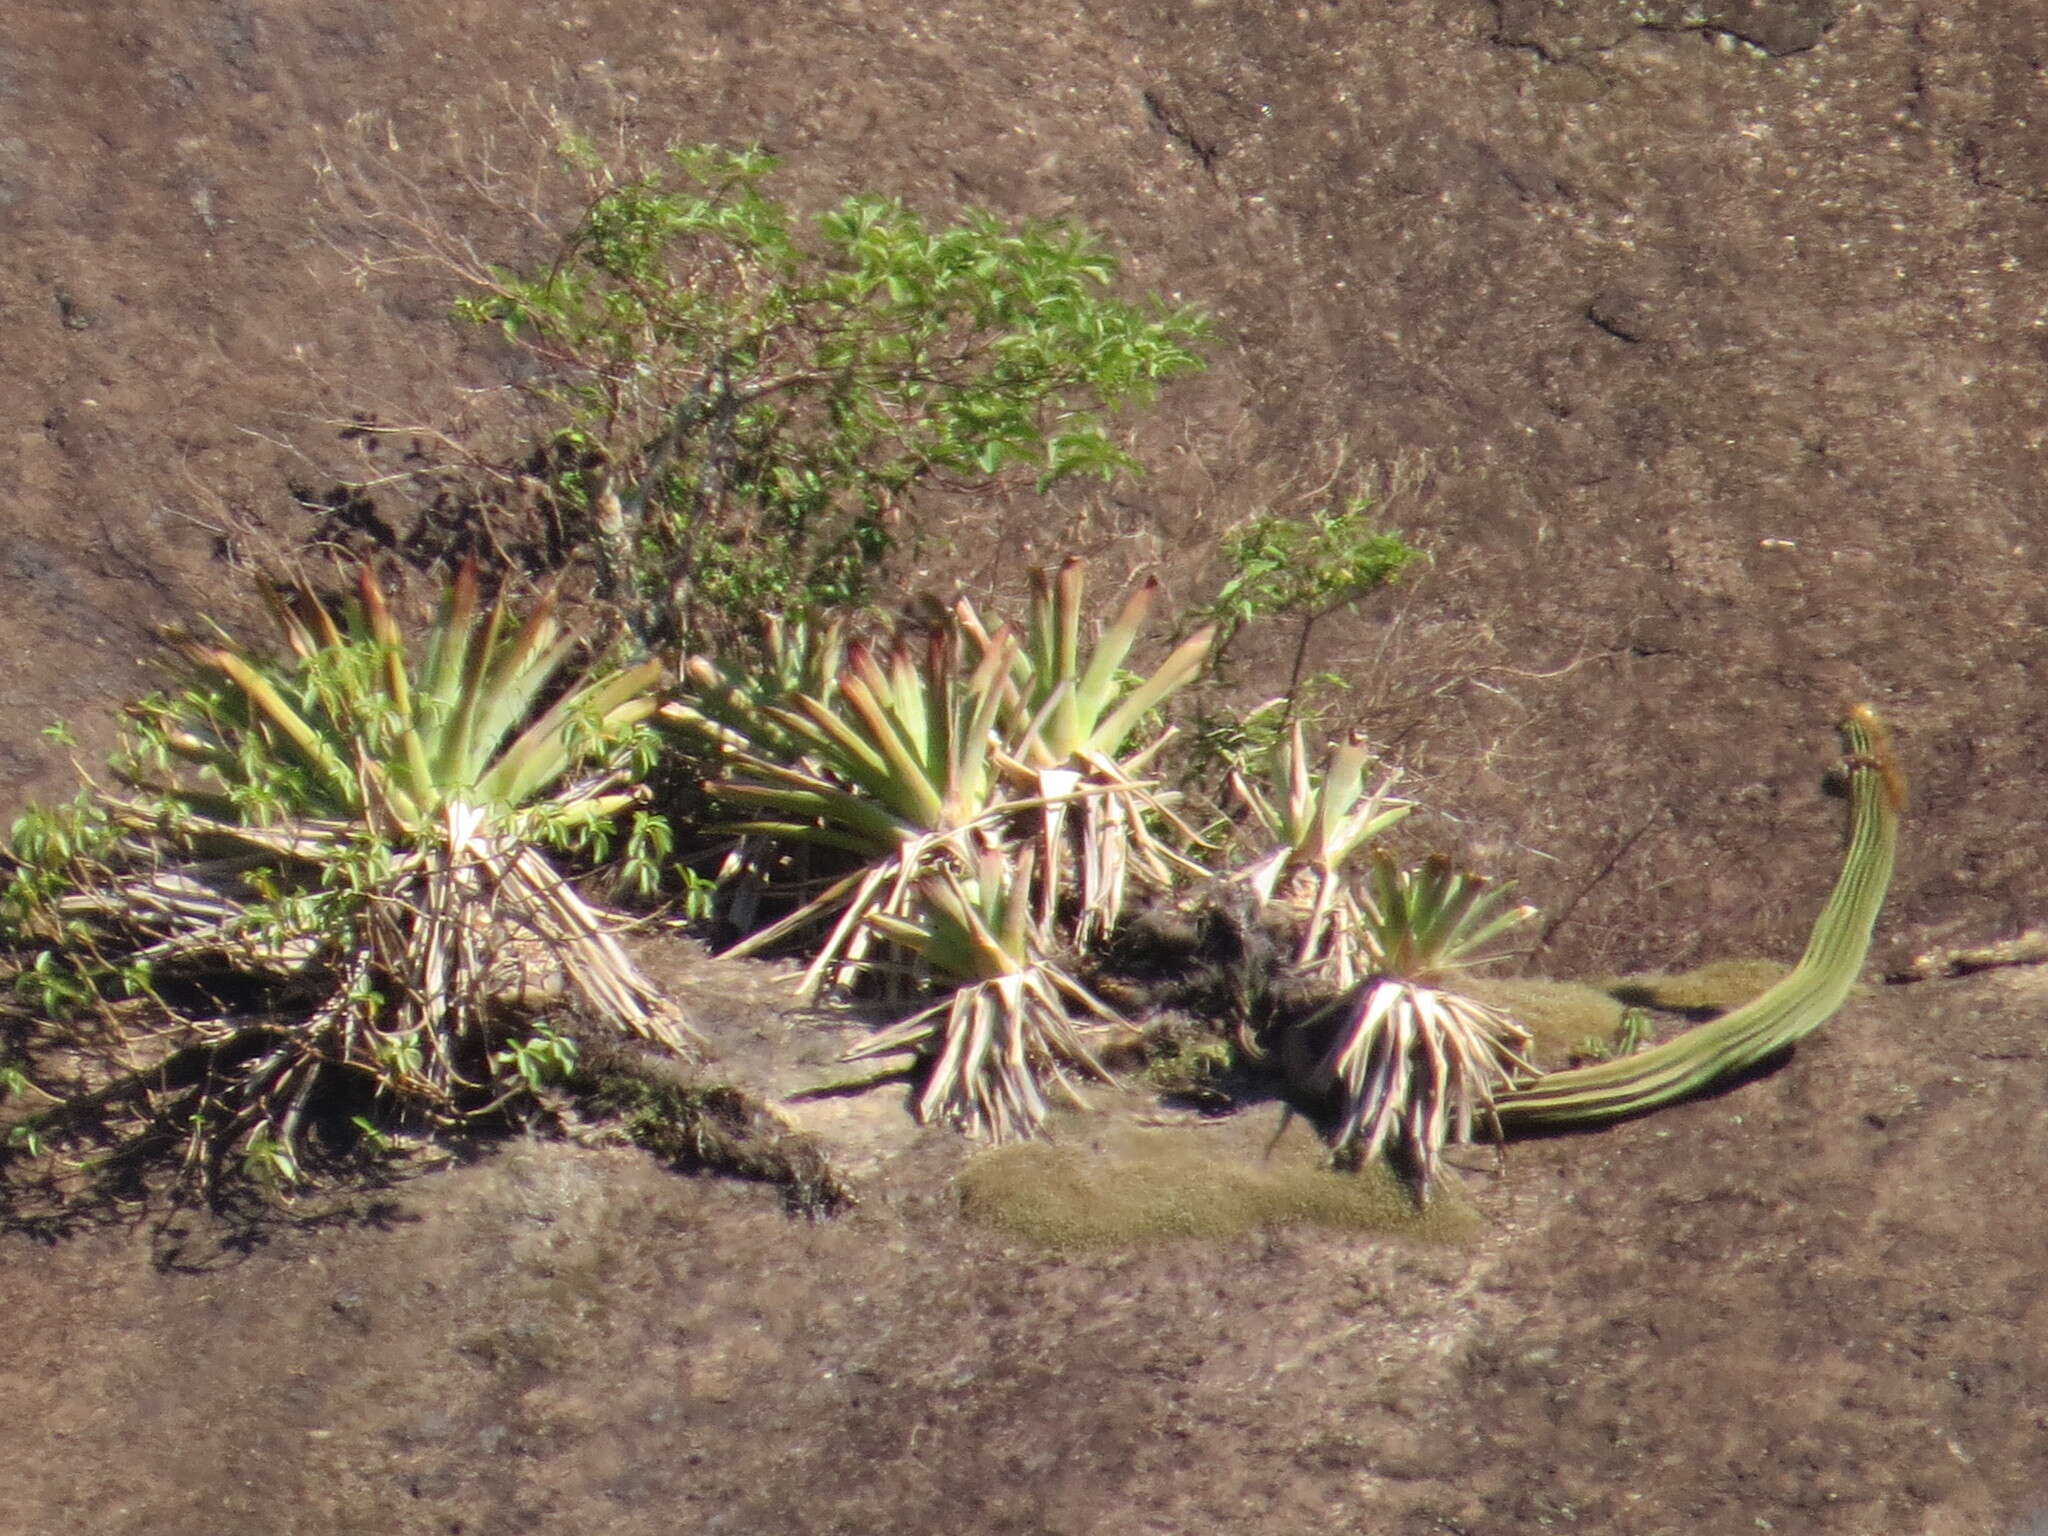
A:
(1127, 1186)
(1567, 1020)
(1705, 990)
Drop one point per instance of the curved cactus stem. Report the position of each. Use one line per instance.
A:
(1789, 1011)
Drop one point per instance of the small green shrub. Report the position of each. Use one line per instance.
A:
(754, 400)
(17, 1117)
(1304, 570)
(540, 1060)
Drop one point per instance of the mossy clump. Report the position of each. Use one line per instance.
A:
(1187, 1061)
(1567, 1021)
(712, 1127)
(1704, 992)
(1132, 1187)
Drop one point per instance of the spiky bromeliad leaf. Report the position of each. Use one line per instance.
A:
(345, 731)
(1418, 1068)
(1069, 705)
(1316, 824)
(1415, 1064)
(1066, 738)
(1006, 1027)
(895, 769)
(360, 835)
(937, 746)
(722, 703)
(1785, 1014)
(1425, 925)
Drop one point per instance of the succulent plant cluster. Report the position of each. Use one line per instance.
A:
(343, 860)
(984, 793)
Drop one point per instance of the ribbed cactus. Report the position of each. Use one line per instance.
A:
(1785, 1014)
